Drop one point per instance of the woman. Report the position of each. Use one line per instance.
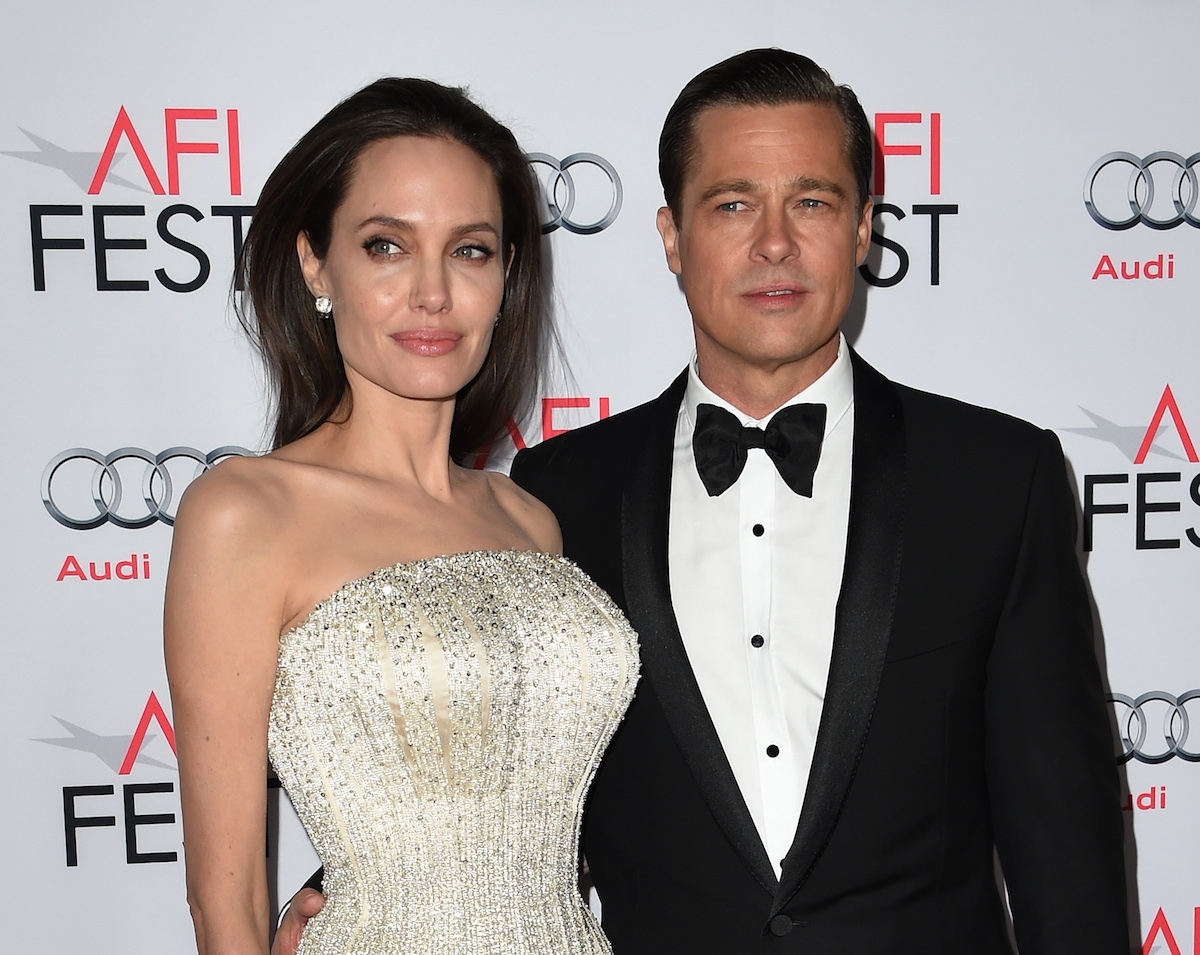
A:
(433, 684)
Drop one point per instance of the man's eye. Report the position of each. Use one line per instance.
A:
(735, 205)
(811, 203)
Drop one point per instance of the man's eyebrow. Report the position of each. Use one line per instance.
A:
(403, 225)
(799, 184)
(815, 184)
(728, 185)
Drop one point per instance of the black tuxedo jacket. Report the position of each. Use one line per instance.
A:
(964, 708)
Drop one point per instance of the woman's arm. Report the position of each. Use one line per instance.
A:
(224, 606)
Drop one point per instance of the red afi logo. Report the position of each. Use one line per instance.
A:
(123, 128)
(153, 710)
(1166, 405)
(550, 427)
(883, 148)
(1161, 928)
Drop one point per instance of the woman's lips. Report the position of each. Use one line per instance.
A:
(429, 342)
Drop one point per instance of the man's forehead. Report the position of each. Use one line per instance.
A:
(722, 121)
(764, 132)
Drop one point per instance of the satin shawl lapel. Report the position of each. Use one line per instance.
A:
(645, 521)
(863, 619)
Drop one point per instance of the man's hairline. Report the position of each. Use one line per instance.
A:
(693, 141)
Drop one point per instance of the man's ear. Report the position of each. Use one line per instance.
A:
(311, 267)
(670, 239)
(862, 239)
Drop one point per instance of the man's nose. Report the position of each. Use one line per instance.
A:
(775, 240)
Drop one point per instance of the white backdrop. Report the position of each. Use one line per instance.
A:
(1027, 316)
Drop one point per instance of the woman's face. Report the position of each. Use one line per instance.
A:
(414, 267)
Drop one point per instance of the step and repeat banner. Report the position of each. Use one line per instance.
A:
(1036, 249)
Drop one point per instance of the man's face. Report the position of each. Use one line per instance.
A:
(769, 234)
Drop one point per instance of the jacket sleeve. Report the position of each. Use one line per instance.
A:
(1050, 759)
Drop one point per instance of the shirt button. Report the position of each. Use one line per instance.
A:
(772, 750)
(758, 530)
(756, 640)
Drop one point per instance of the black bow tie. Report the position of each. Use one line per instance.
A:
(792, 440)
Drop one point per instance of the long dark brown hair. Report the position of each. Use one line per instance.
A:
(299, 347)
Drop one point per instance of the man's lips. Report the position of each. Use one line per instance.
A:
(428, 341)
(775, 295)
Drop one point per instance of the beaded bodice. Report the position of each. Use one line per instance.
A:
(436, 725)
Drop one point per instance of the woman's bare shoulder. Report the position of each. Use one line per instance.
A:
(239, 488)
(243, 502)
(527, 512)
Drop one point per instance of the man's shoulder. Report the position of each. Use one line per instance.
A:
(927, 408)
(941, 429)
(964, 430)
(926, 405)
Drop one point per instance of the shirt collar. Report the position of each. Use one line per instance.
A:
(834, 389)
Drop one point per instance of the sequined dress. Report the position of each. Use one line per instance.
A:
(436, 725)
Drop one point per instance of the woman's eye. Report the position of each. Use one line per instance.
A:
(474, 252)
(382, 247)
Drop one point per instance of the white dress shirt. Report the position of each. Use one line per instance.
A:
(755, 575)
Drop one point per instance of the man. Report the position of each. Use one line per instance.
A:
(856, 680)
(866, 643)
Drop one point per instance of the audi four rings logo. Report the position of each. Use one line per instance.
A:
(1141, 189)
(83, 498)
(561, 192)
(1139, 721)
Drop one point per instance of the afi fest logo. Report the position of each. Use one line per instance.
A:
(93, 805)
(1152, 494)
(582, 192)
(163, 149)
(918, 138)
(1163, 939)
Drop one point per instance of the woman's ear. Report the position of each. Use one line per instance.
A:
(311, 267)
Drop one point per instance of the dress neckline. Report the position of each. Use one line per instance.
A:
(502, 552)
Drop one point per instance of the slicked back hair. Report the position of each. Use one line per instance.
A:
(299, 347)
(767, 77)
